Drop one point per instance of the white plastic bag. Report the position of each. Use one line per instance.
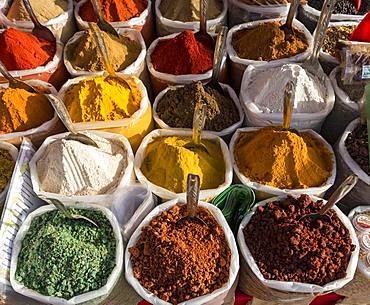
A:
(216, 297)
(225, 134)
(255, 117)
(101, 199)
(296, 286)
(266, 191)
(62, 26)
(166, 194)
(238, 65)
(35, 134)
(86, 297)
(167, 26)
(347, 166)
(161, 80)
(13, 151)
(241, 12)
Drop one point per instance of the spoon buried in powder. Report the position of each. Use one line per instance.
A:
(203, 34)
(15, 83)
(103, 24)
(39, 30)
(288, 25)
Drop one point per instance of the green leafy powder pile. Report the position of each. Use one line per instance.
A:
(63, 258)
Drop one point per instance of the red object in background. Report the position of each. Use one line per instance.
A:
(362, 32)
(358, 4)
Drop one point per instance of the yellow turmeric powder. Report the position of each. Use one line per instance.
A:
(167, 163)
(283, 159)
(102, 99)
(21, 110)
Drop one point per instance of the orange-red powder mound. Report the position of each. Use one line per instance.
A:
(114, 10)
(22, 51)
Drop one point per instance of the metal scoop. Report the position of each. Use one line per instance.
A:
(103, 24)
(288, 25)
(39, 30)
(203, 34)
(192, 198)
(339, 193)
(15, 83)
(67, 212)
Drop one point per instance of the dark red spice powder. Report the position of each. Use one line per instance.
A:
(184, 54)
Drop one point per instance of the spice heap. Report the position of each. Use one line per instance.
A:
(333, 35)
(179, 263)
(355, 91)
(68, 167)
(6, 168)
(286, 160)
(114, 10)
(22, 51)
(266, 89)
(169, 168)
(306, 251)
(184, 54)
(188, 10)
(44, 9)
(357, 146)
(63, 257)
(84, 54)
(265, 2)
(21, 110)
(343, 6)
(176, 107)
(102, 99)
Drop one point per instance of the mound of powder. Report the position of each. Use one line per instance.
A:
(188, 10)
(267, 41)
(266, 89)
(22, 51)
(114, 10)
(44, 9)
(68, 167)
(283, 159)
(84, 54)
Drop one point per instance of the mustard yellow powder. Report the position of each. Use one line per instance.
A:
(167, 163)
(102, 99)
(283, 159)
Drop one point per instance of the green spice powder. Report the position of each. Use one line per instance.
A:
(63, 258)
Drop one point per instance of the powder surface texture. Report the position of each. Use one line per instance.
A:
(167, 163)
(102, 99)
(283, 159)
(6, 168)
(266, 89)
(21, 110)
(68, 167)
(84, 54)
(22, 51)
(188, 10)
(184, 54)
(44, 9)
(176, 107)
(114, 10)
(268, 41)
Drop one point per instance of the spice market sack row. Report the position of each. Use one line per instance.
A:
(243, 52)
(284, 275)
(262, 95)
(65, 170)
(165, 173)
(6, 168)
(36, 123)
(288, 172)
(139, 17)
(173, 16)
(57, 15)
(226, 256)
(225, 133)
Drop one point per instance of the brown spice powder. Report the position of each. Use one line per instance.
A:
(181, 262)
(268, 41)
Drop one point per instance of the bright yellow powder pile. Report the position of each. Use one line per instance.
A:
(167, 163)
(102, 99)
(283, 159)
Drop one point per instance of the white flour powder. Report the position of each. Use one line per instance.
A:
(71, 168)
(266, 89)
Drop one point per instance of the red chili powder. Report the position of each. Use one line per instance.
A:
(22, 51)
(114, 10)
(183, 54)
